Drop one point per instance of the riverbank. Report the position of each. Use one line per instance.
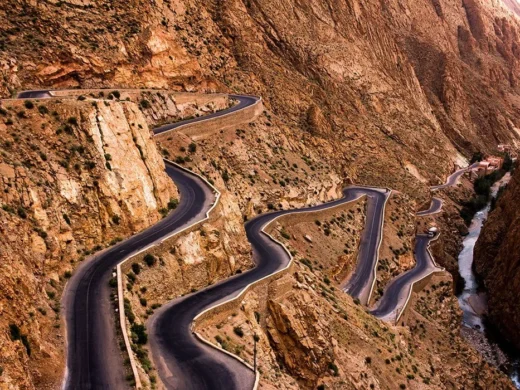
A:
(473, 299)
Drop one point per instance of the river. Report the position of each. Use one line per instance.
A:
(473, 300)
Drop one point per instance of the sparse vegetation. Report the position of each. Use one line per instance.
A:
(139, 335)
(150, 259)
(238, 331)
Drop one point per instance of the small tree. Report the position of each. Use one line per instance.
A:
(149, 259)
(139, 335)
(238, 331)
(136, 268)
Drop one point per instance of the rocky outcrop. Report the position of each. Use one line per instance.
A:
(389, 92)
(75, 177)
(497, 261)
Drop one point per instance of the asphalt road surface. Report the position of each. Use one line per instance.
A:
(243, 101)
(435, 207)
(397, 291)
(37, 94)
(94, 360)
(391, 304)
(361, 281)
(454, 177)
(185, 363)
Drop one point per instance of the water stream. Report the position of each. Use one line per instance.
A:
(473, 301)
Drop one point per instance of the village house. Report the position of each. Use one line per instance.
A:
(489, 165)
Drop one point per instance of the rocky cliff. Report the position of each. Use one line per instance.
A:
(387, 93)
(497, 261)
(76, 176)
(412, 82)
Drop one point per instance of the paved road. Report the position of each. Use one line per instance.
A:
(243, 101)
(390, 305)
(454, 177)
(94, 360)
(394, 299)
(361, 282)
(435, 207)
(36, 94)
(182, 361)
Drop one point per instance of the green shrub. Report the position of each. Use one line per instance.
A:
(136, 268)
(28, 104)
(238, 331)
(150, 259)
(334, 368)
(477, 156)
(225, 176)
(139, 335)
(43, 110)
(21, 212)
(192, 147)
(173, 203)
(145, 104)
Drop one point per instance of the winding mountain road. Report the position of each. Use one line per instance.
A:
(397, 293)
(361, 282)
(184, 363)
(94, 360)
(391, 305)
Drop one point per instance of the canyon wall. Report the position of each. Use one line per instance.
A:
(397, 88)
(75, 177)
(389, 93)
(497, 261)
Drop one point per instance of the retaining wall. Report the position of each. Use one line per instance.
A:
(234, 119)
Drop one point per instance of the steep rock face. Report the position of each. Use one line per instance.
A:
(497, 261)
(75, 177)
(410, 81)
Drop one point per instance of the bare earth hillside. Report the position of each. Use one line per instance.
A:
(387, 93)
